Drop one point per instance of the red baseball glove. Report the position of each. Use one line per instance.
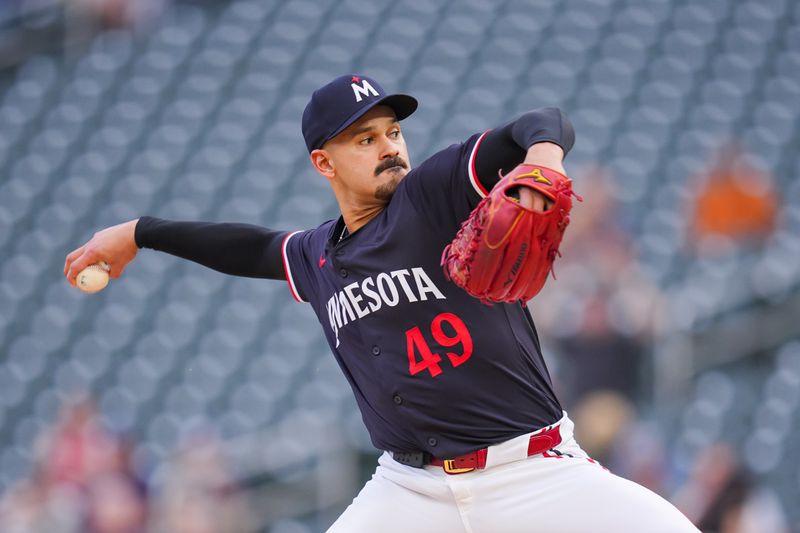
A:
(504, 251)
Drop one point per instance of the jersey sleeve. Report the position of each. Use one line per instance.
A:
(448, 185)
(230, 248)
(445, 187)
(297, 261)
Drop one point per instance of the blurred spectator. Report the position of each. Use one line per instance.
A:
(720, 496)
(83, 481)
(86, 18)
(34, 506)
(198, 494)
(115, 504)
(601, 314)
(600, 309)
(737, 200)
(601, 419)
(640, 455)
(599, 356)
(116, 501)
(102, 13)
(78, 448)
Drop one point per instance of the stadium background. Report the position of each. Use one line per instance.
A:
(183, 400)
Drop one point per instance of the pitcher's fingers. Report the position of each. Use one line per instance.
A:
(74, 254)
(116, 270)
(538, 202)
(88, 257)
(527, 197)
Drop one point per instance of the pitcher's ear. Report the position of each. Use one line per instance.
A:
(322, 162)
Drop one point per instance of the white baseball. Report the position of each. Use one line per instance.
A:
(93, 278)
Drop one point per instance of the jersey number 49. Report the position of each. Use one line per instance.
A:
(429, 361)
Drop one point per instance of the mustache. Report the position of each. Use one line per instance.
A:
(395, 161)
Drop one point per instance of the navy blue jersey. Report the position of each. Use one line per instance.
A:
(432, 368)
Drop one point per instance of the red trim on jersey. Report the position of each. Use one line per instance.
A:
(473, 174)
(287, 270)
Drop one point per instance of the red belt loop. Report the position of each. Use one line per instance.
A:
(538, 443)
(544, 441)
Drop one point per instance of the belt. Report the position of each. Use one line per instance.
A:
(539, 442)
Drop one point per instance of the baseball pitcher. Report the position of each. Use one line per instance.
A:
(421, 287)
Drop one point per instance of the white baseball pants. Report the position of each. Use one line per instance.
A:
(548, 492)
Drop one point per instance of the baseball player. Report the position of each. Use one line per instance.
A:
(427, 322)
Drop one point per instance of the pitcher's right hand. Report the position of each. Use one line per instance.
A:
(115, 245)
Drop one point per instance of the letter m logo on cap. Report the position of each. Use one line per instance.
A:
(364, 89)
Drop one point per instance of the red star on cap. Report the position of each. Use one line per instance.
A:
(355, 79)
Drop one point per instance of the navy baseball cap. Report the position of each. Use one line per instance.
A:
(341, 102)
